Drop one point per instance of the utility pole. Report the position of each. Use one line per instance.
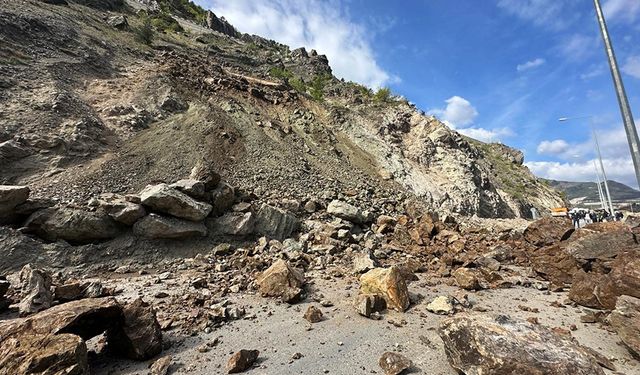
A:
(604, 174)
(600, 193)
(625, 109)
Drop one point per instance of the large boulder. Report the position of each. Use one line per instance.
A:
(139, 336)
(625, 320)
(35, 285)
(624, 278)
(120, 209)
(43, 354)
(388, 283)
(157, 226)
(600, 241)
(348, 212)
(164, 199)
(583, 289)
(10, 197)
(235, 223)
(73, 225)
(548, 231)
(193, 188)
(282, 281)
(275, 223)
(554, 264)
(500, 345)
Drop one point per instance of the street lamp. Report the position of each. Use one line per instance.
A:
(597, 144)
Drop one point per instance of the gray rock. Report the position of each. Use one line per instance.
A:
(156, 226)
(72, 225)
(222, 198)
(193, 188)
(120, 209)
(364, 262)
(275, 223)
(35, 288)
(235, 223)
(205, 172)
(10, 197)
(165, 199)
(119, 22)
(484, 344)
(12, 150)
(348, 212)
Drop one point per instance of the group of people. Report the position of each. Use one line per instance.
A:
(581, 217)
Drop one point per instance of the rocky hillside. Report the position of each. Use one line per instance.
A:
(588, 191)
(108, 96)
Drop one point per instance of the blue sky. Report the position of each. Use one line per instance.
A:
(496, 70)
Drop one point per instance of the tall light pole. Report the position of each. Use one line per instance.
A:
(600, 193)
(597, 144)
(625, 109)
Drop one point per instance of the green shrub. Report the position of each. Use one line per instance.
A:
(144, 34)
(298, 84)
(383, 95)
(164, 22)
(281, 73)
(184, 8)
(316, 88)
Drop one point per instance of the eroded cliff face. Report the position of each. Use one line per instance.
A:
(88, 108)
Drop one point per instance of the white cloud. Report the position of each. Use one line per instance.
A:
(555, 147)
(578, 46)
(593, 72)
(625, 10)
(458, 112)
(530, 64)
(321, 25)
(632, 65)
(486, 135)
(546, 13)
(618, 169)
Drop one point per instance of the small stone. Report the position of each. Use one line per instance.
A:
(161, 366)
(394, 363)
(241, 361)
(313, 314)
(441, 305)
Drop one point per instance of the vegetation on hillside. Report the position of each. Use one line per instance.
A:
(184, 8)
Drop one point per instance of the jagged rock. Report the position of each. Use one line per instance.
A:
(602, 241)
(484, 344)
(389, 283)
(120, 209)
(548, 231)
(43, 354)
(313, 314)
(394, 363)
(222, 198)
(220, 25)
(164, 199)
(281, 280)
(72, 225)
(242, 361)
(119, 22)
(12, 150)
(139, 336)
(235, 223)
(364, 262)
(275, 223)
(467, 278)
(442, 305)
(35, 287)
(78, 290)
(583, 289)
(625, 320)
(348, 212)
(10, 197)
(173, 104)
(193, 188)
(554, 265)
(156, 226)
(624, 279)
(367, 304)
(205, 172)
(161, 366)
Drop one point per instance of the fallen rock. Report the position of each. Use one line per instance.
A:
(139, 336)
(583, 289)
(242, 361)
(368, 304)
(78, 290)
(467, 278)
(275, 223)
(624, 279)
(313, 314)
(625, 320)
(43, 354)
(235, 223)
(442, 305)
(73, 225)
(484, 344)
(389, 283)
(118, 22)
(394, 363)
(161, 366)
(548, 231)
(35, 286)
(204, 171)
(193, 188)
(120, 209)
(554, 264)
(348, 212)
(156, 226)
(281, 280)
(222, 198)
(165, 199)
(364, 262)
(10, 197)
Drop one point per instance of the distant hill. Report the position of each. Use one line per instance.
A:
(589, 190)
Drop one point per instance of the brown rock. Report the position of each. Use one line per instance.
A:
(499, 345)
(548, 231)
(367, 304)
(313, 314)
(394, 363)
(35, 289)
(160, 366)
(389, 283)
(553, 264)
(467, 278)
(583, 289)
(78, 290)
(625, 320)
(624, 278)
(139, 336)
(281, 280)
(242, 361)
